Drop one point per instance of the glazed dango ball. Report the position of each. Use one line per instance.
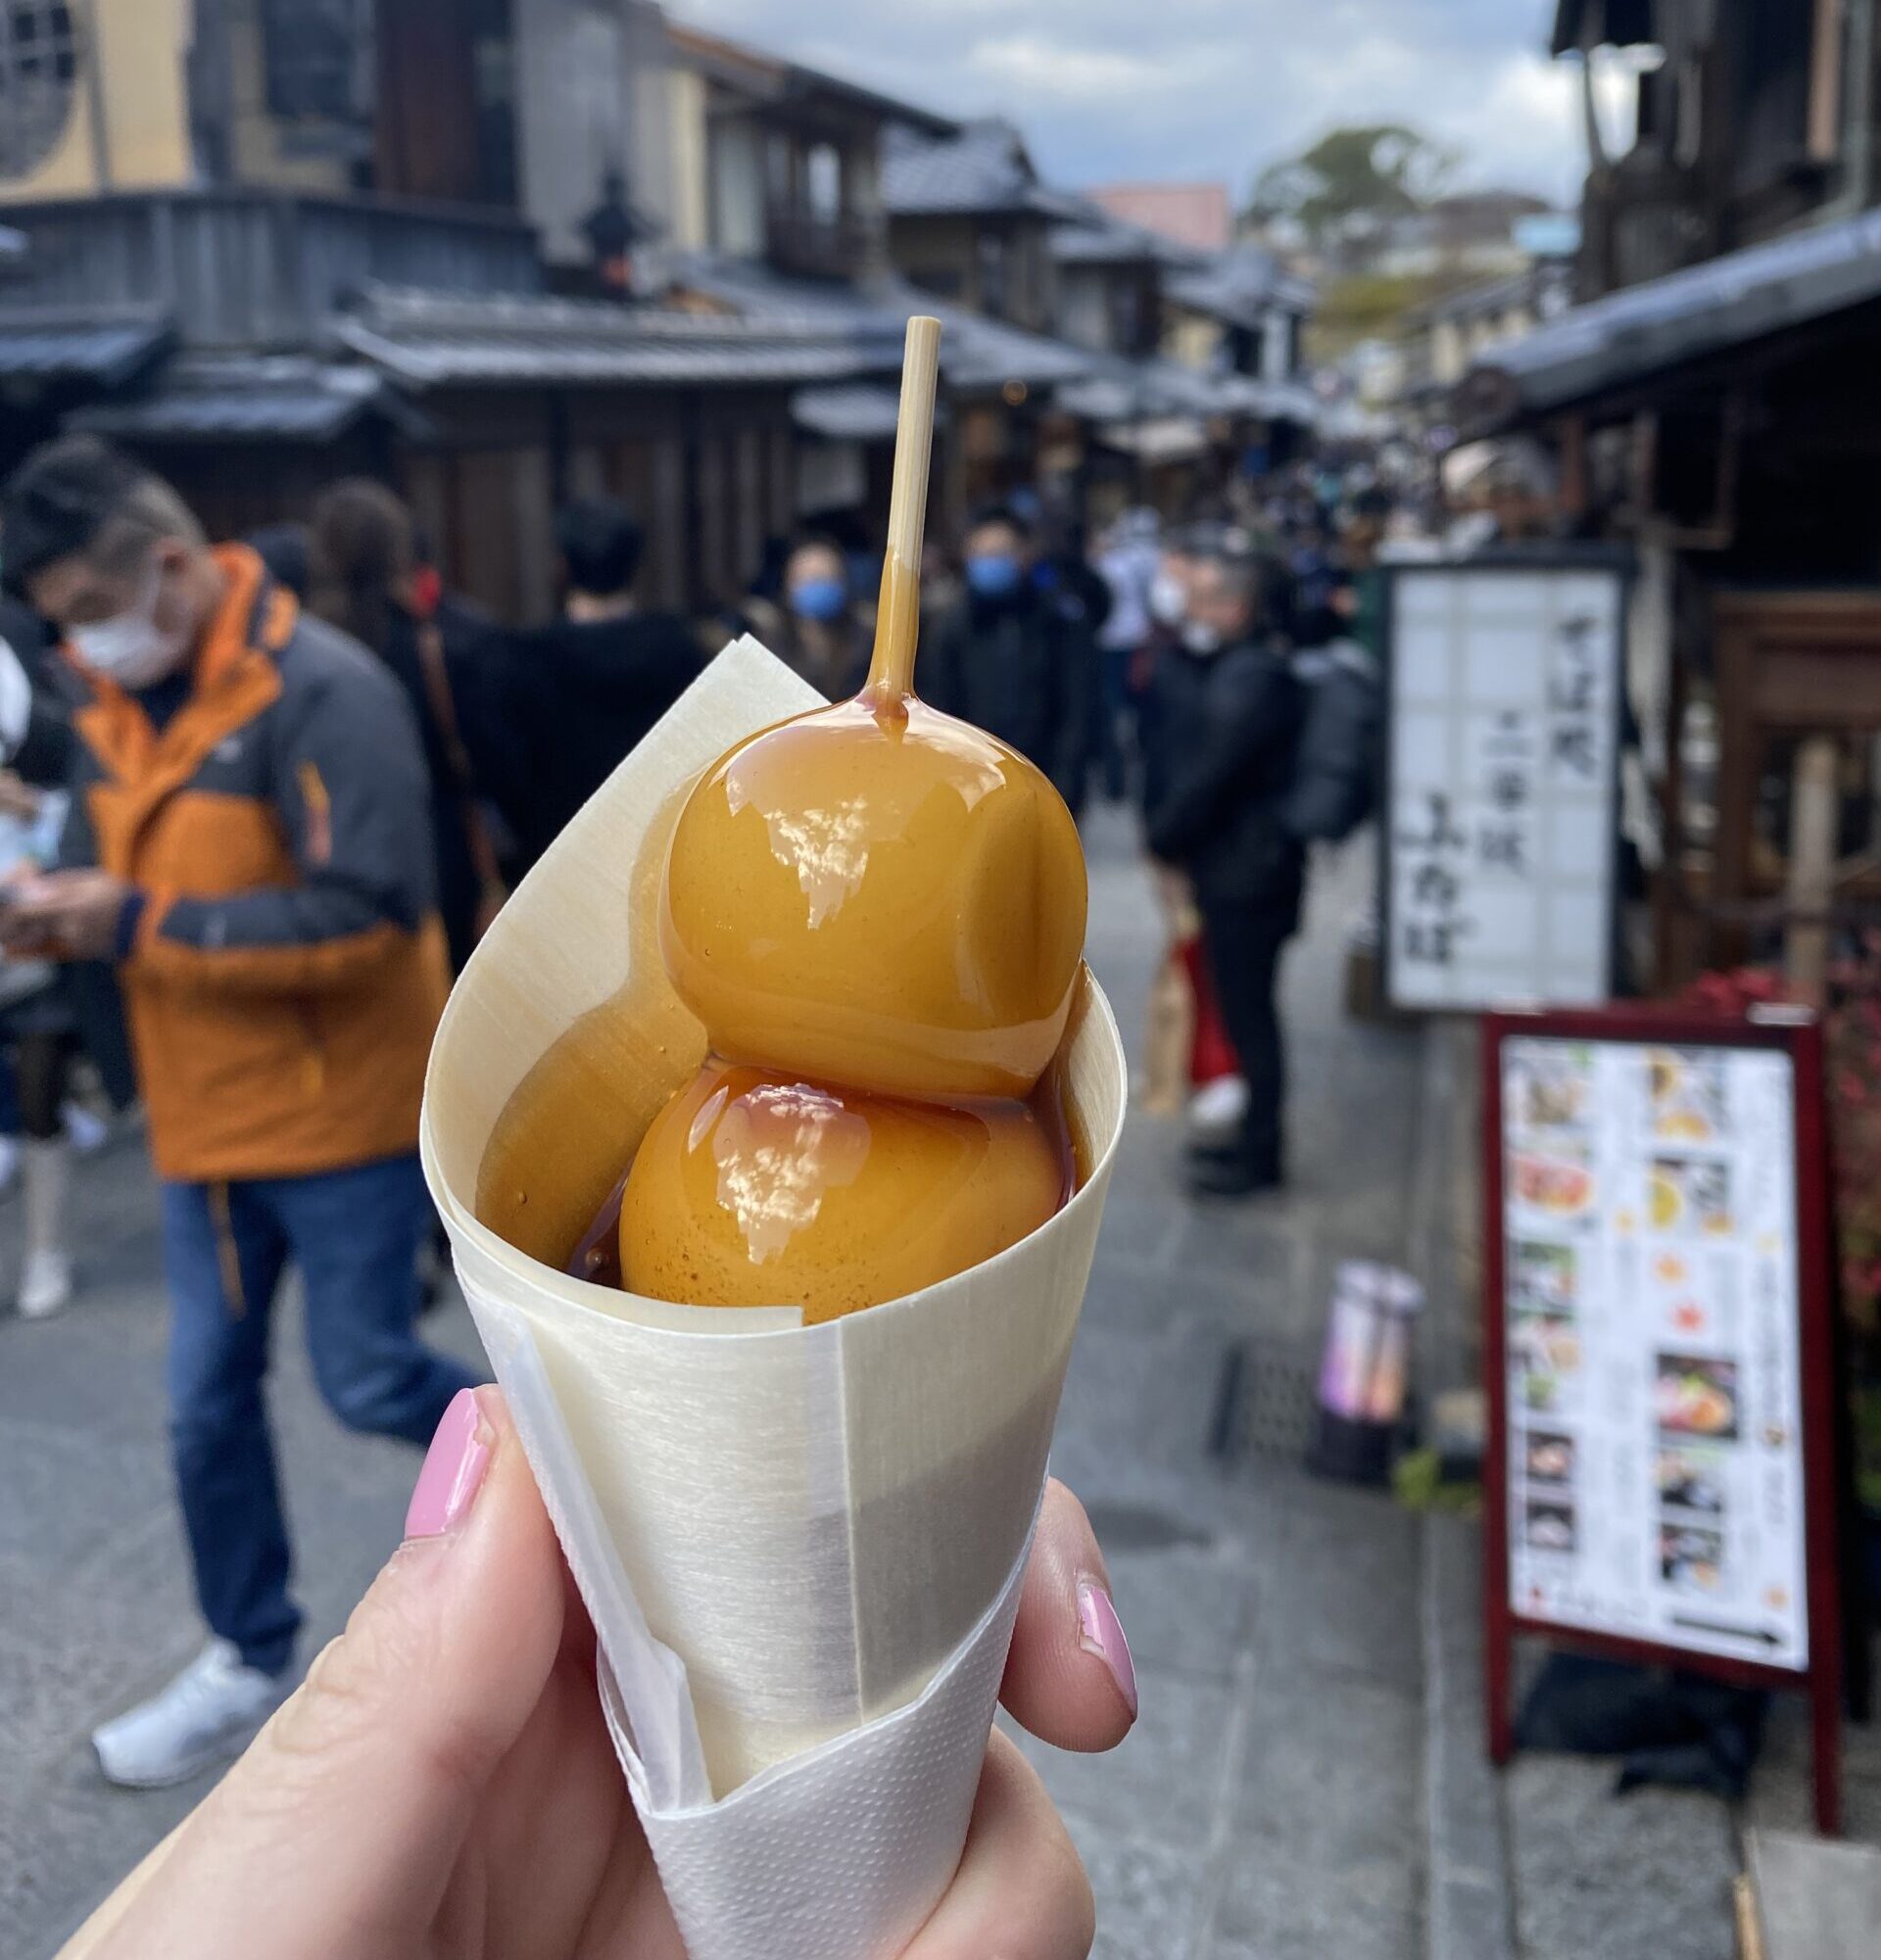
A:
(755, 1190)
(878, 897)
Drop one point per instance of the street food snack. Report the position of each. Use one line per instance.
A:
(877, 912)
(801, 1540)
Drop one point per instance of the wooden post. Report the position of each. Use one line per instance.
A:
(1815, 810)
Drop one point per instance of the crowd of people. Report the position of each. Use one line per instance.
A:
(262, 798)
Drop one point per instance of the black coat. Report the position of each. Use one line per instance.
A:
(1226, 727)
(584, 692)
(1022, 669)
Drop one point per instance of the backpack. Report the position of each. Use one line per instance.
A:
(1336, 760)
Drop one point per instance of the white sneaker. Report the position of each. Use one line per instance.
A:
(1217, 1106)
(86, 1130)
(205, 1716)
(46, 1285)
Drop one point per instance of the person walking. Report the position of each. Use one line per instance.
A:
(362, 568)
(1015, 659)
(821, 628)
(1227, 728)
(248, 842)
(586, 688)
(1127, 561)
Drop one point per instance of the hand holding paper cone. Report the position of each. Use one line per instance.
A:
(448, 1761)
(799, 1537)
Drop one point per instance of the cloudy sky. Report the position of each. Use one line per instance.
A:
(1201, 89)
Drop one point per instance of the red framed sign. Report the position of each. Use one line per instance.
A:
(1661, 1470)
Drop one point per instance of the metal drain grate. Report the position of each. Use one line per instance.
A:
(1266, 1402)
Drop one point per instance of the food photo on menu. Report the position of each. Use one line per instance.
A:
(1551, 1085)
(1544, 1355)
(1690, 1194)
(1543, 1276)
(1556, 1180)
(1688, 1096)
(1548, 1457)
(1691, 1558)
(1696, 1397)
(1548, 1524)
(1691, 1477)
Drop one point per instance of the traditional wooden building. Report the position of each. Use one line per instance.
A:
(1724, 419)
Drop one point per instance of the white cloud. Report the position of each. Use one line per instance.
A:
(1205, 88)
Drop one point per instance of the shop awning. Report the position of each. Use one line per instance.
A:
(236, 398)
(1631, 335)
(105, 346)
(853, 412)
(435, 339)
(1160, 439)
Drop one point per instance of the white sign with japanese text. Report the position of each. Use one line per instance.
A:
(1505, 699)
(1651, 1335)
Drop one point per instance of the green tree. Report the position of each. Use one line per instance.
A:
(1353, 181)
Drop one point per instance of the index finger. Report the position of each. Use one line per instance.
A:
(1069, 1675)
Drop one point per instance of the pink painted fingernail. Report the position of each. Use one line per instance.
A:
(452, 1473)
(1103, 1635)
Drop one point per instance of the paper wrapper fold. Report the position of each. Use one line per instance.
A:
(800, 1546)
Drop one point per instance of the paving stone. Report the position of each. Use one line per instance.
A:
(1648, 1873)
(1188, 1609)
(1165, 1784)
(1150, 1899)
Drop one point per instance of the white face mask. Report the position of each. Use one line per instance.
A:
(1168, 601)
(131, 648)
(1200, 637)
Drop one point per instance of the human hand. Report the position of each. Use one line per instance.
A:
(65, 915)
(443, 1784)
(18, 798)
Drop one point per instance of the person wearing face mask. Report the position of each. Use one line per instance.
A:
(1227, 728)
(1014, 659)
(819, 629)
(248, 842)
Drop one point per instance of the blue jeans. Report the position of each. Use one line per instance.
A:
(354, 1235)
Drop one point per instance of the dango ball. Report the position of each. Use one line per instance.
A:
(880, 898)
(754, 1189)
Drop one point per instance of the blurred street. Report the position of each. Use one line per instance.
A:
(1306, 1778)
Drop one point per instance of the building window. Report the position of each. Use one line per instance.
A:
(823, 177)
(995, 279)
(38, 75)
(313, 49)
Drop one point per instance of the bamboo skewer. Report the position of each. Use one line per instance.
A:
(897, 623)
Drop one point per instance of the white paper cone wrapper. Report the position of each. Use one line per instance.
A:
(800, 1545)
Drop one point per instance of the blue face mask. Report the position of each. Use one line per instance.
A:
(995, 575)
(819, 598)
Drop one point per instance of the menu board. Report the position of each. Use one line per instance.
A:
(1650, 1337)
(1502, 810)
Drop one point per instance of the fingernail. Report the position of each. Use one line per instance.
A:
(1103, 1635)
(452, 1473)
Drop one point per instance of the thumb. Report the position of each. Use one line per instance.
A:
(380, 1757)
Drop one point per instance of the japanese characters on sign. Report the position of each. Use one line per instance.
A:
(1654, 1442)
(1505, 697)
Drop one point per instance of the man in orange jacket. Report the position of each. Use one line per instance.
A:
(249, 841)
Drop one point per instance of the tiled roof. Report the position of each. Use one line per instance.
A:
(292, 397)
(1124, 390)
(103, 345)
(1096, 238)
(975, 353)
(1239, 286)
(983, 170)
(1722, 304)
(430, 338)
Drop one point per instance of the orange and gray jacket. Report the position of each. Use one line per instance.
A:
(285, 968)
